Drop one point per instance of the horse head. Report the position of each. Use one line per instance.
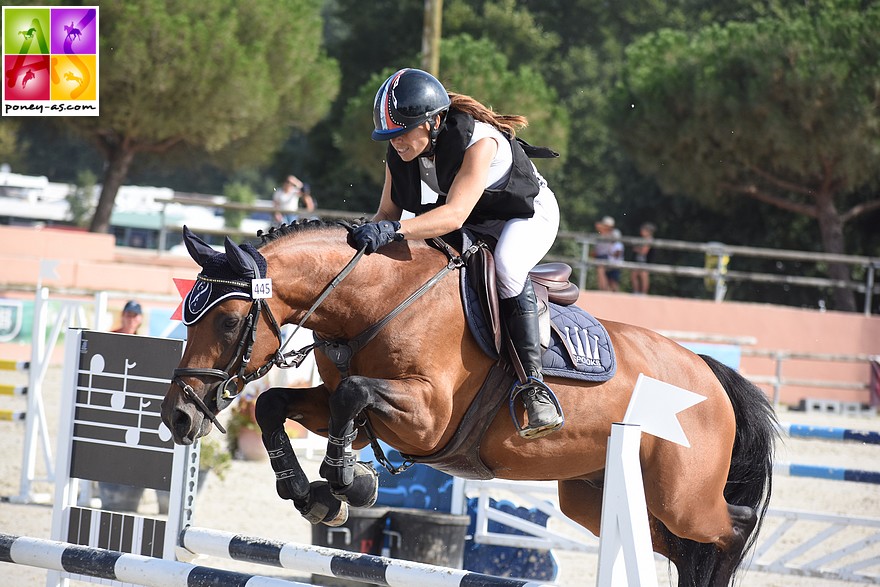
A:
(221, 318)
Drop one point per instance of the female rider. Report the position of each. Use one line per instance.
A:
(480, 176)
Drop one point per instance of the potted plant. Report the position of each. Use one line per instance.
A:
(213, 459)
(244, 436)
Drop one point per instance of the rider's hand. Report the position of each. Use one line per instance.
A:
(374, 235)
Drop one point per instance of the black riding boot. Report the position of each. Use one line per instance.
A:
(520, 315)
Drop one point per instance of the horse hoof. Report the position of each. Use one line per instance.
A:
(323, 507)
(363, 491)
(341, 516)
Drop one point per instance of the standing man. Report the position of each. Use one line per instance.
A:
(287, 200)
(132, 317)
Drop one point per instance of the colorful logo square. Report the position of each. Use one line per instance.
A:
(28, 76)
(74, 31)
(26, 31)
(73, 77)
(50, 61)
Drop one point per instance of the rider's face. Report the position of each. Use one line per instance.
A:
(412, 143)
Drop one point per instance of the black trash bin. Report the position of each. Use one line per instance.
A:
(427, 537)
(362, 532)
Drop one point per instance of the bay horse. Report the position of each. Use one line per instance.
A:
(407, 373)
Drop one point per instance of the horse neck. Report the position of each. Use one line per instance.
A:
(302, 269)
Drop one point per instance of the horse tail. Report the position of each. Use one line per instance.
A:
(749, 480)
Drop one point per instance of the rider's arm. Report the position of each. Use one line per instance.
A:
(388, 210)
(465, 192)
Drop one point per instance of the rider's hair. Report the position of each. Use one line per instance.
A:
(506, 123)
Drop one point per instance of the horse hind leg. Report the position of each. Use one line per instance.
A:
(707, 564)
(744, 520)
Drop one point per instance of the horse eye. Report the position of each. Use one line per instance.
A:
(231, 323)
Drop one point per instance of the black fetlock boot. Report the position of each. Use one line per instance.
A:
(313, 500)
(520, 315)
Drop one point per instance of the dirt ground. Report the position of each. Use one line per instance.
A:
(245, 501)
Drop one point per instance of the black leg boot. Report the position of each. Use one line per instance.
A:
(520, 315)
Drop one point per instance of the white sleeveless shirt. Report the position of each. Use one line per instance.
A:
(499, 169)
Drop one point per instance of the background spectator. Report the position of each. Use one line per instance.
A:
(603, 249)
(641, 279)
(291, 197)
(612, 273)
(131, 318)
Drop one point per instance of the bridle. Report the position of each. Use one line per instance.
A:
(230, 385)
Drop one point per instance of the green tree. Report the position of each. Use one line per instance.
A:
(237, 192)
(226, 77)
(782, 111)
(468, 66)
(10, 143)
(80, 200)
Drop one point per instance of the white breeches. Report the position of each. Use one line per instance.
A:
(523, 242)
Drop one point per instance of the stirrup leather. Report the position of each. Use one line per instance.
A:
(528, 430)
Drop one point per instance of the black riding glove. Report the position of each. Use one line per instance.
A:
(374, 235)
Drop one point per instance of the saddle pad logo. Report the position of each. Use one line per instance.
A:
(579, 343)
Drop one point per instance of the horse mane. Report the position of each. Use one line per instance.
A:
(303, 225)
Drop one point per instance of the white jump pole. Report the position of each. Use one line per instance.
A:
(625, 555)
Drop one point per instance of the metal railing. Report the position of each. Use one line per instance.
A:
(777, 381)
(206, 201)
(719, 273)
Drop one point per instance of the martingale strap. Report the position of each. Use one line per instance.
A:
(341, 351)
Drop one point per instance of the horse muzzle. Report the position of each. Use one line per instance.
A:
(186, 415)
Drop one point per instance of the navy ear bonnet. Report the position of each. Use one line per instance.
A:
(224, 275)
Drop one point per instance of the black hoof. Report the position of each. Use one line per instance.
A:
(322, 507)
(363, 491)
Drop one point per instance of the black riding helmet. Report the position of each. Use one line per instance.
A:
(407, 99)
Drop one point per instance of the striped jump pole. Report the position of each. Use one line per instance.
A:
(823, 472)
(13, 389)
(331, 562)
(829, 433)
(10, 365)
(129, 568)
(13, 415)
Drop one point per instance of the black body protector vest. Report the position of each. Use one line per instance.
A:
(515, 199)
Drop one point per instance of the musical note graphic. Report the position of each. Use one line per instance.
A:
(133, 435)
(96, 365)
(105, 408)
(116, 413)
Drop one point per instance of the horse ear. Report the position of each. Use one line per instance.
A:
(242, 263)
(199, 250)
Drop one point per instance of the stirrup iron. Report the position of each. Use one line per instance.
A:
(530, 431)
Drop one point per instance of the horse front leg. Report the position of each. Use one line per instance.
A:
(356, 483)
(314, 500)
